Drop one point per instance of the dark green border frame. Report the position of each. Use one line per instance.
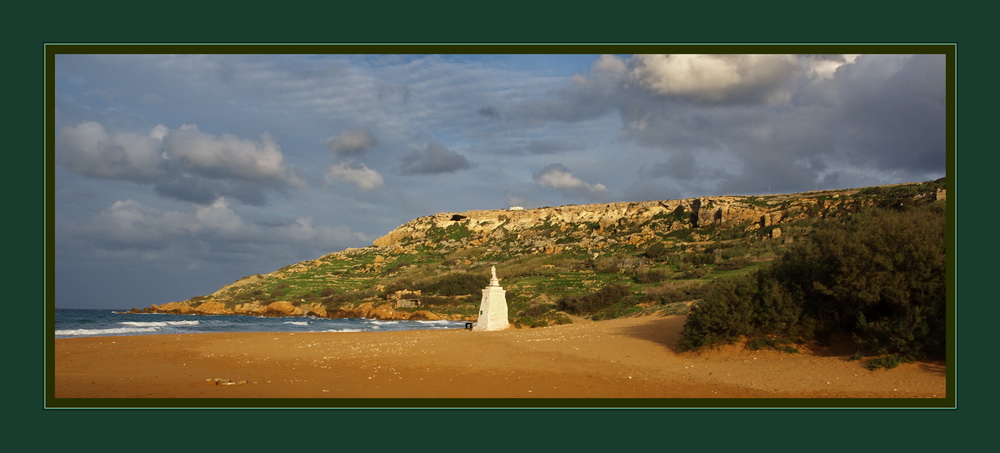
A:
(51, 50)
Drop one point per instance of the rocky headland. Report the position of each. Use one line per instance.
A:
(543, 254)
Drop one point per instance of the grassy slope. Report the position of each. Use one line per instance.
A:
(685, 260)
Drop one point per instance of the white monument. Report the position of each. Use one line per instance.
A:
(493, 308)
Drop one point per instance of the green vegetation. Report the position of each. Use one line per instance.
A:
(877, 276)
(611, 298)
(815, 265)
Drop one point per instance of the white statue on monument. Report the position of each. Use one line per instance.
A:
(493, 308)
(494, 281)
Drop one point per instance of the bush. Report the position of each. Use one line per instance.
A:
(657, 252)
(537, 310)
(733, 264)
(699, 259)
(650, 276)
(676, 292)
(452, 284)
(592, 303)
(887, 362)
(878, 276)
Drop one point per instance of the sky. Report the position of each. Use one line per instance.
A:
(178, 174)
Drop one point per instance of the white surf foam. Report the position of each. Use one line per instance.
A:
(159, 323)
(113, 331)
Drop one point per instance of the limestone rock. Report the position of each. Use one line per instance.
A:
(281, 308)
(423, 315)
(212, 307)
(314, 309)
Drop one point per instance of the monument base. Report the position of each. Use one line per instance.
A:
(493, 310)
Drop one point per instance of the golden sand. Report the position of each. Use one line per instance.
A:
(622, 358)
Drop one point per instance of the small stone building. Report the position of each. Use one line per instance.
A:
(407, 299)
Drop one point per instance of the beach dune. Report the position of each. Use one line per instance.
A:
(621, 358)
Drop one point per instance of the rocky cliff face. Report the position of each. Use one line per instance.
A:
(597, 226)
(353, 282)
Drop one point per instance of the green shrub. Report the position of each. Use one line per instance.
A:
(451, 284)
(538, 310)
(592, 303)
(676, 292)
(561, 318)
(657, 252)
(758, 343)
(699, 258)
(878, 276)
(888, 362)
(733, 264)
(650, 276)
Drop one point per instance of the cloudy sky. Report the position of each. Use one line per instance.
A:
(178, 174)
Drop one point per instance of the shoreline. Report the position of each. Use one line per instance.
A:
(619, 358)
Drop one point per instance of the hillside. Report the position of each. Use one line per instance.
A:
(594, 260)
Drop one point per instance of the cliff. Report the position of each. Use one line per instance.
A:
(662, 251)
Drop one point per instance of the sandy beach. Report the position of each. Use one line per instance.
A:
(622, 358)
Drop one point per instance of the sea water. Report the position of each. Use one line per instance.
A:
(71, 323)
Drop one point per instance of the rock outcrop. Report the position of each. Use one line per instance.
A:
(595, 226)
(464, 240)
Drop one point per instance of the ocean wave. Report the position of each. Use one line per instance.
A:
(345, 330)
(112, 331)
(297, 323)
(159, 323)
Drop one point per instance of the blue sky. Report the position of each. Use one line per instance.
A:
(178, 174)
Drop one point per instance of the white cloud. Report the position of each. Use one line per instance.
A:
(825, 66)
(610, 66)
(356, 173)
(715, 78)
(88, 149)
(557, 176)
(218, 219)
(228, 156)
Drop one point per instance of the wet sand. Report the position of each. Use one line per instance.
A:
(630, 358)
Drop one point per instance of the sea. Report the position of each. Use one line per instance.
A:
(73, 323)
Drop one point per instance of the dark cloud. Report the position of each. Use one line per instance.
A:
(204, 191)
(353, 143)
(759, 121)
(894, 119)
(184, 164)
(88, 149)
(489, 112)
(431, 159)
(386, 92)
(542, 147)
(190, 189)
(680, 166)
